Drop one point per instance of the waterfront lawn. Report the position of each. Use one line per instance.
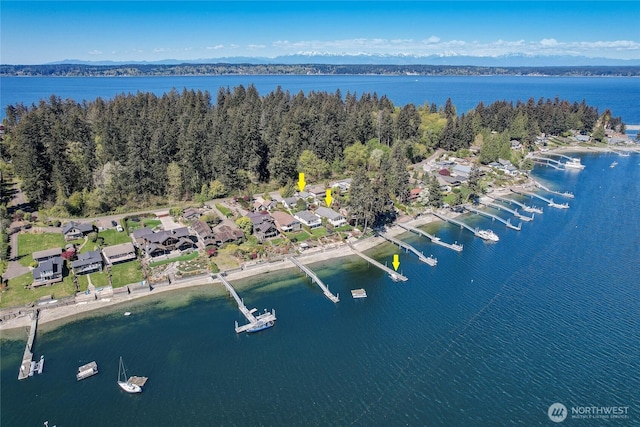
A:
(319, 232)
(125, 274)
(28, 243)
(298, 236)
(17, 294)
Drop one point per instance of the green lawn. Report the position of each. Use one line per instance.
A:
(17, 295)
(224, 211)
(144, 222)
(299, 236)
(319, 232)
(126, 273)
(28, 243)
(113, 237)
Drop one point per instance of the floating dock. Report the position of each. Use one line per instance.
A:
(434, 239)
(27, 366)
(550, 202)
(256, 323)
(524, 207)
(358, 293)
(407, 247)
(315, 279)
(395, 276)
(86, 371)
(504, 208)
(140, 381)
(493, 217)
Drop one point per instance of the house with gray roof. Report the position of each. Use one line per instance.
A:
(88, 262)
(119, 253)
(332, 216)
(50, 267)
(308, 219)
(76, 230)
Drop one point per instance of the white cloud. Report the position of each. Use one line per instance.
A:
(95, 52)
(216, 47)
(256, 46)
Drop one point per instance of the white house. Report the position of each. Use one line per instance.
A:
(332, 216)
(308, 219)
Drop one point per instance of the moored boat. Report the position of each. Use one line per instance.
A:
(574, 163)
(125, 383)
(487, 235)
(260, 325)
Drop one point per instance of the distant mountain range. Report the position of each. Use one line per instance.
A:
(517, 60)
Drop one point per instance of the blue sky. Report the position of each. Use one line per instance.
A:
(47, 31)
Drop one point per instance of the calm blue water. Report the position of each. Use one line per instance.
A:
(621, 95)
(490, 336)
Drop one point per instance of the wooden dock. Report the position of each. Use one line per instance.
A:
(315, 279)
(434, 239)
(493, 217)
(506, 209)
(395, 276)
(254, 321)
(407, 247)
(548, 190)
(524, 207)
(550, 202)
(27, 359)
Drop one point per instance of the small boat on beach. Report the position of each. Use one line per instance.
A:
(125, 383)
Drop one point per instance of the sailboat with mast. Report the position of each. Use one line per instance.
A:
(124, 382)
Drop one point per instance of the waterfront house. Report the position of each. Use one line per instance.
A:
(119, 253)
(75, 230)
(332, 216)
(50, 267)
(308, 219)
(286, 222)
(226, 234)
(88, 262)
(204, 233)
(263, 225)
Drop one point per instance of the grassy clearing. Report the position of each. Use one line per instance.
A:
(224, 210)
(298, 236)
(17, 294)
(319, 232)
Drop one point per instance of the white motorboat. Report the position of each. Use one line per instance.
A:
(487, 235)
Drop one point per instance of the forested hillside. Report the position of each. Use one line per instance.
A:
(97, 156)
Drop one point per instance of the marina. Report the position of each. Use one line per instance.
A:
(315, 279)
(506, 209)
(453, 246)
(86, 371)
(493, 217)
(256, 323)
(393, 275)
(550, 202)
(483, 234)
(430, 260)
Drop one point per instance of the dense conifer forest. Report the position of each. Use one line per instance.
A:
(99, 156)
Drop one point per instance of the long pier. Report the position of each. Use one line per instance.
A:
(493, 217)
(506, 209)
(392, 274)
(254, 321)
(549, 201)
(456, 222)
(434, 239)
(556, 164)
(315, 279)
(548, 190)
(26, 365)
(407, 247)
(517, 203)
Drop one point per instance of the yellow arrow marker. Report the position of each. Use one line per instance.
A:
(328, 199)
(396, 262)
(301, 183)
